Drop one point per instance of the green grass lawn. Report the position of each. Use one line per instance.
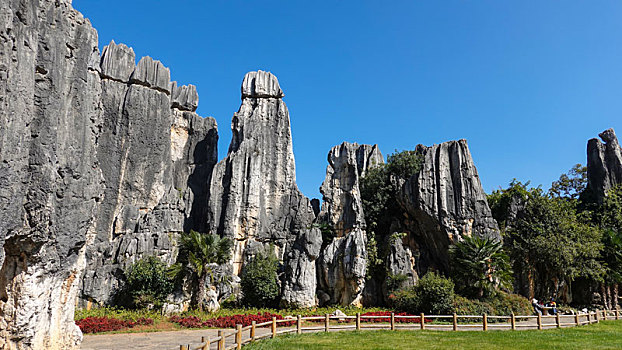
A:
(605, 335)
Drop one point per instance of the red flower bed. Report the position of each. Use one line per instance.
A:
(227, 321)
(106, 324)
(388, 313)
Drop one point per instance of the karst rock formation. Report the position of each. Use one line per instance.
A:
(604, 164)
(103, 161)
(253, 195)
(342, 264)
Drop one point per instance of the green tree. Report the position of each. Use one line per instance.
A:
(147, 282)
(260, 283)
(570, 185)
(550, 246)
(609, 218)
(378, 188)
(479, 266)
(198, 254)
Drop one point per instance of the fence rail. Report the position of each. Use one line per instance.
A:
(477, 322)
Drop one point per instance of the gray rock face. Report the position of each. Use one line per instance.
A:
(342, 264)
(184, 97)
(253, 194)
(445, 202)
(604, 164)
(50, 182)
(156, 162)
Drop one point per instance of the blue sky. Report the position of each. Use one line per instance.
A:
(527, 83)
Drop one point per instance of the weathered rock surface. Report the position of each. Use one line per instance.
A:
(443, 203)
(50, 182)
(342, 264)
(604, 164)
(156, 161)
(253, 195)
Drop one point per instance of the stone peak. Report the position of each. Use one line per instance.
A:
(261, 84)
(608, 136)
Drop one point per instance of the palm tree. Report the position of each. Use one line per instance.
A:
(197, 254)
(479, 266)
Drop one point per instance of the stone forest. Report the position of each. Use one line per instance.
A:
(104, 163)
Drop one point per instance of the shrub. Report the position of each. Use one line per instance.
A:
(226, 321)
(147, 282)
(107, 324)
(260, 284)
(502, 304)
(433, 294)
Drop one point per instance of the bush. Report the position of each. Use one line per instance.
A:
(260, 284)
(107, 324)
(502, 304)
(147, 282)
(433, 294)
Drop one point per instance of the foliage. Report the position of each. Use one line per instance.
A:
(147, 282)
(106, 324)
(260, 283)
(609, 218)
(378, 190)
(395, 282)
(501, 304)
(479, 266)
(433, 294)
(505, 202)
(226, 321)
(571, 184)
(197, 254)
(547, 239)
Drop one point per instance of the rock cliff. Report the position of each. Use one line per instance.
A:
(50, 180)
(604, 164)
(102, 161)
(342, 264)
(156, 156)
(253, 194)
(442, 203)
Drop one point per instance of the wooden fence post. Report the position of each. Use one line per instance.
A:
(596, 316)
(539, 321)
(238, 337)
(221, 341)
(513, 321)
(253, 326)
(299, 324)
(392, 321)
(358, 321)
(455, 322)
(557, 320)
(576, 319)
(588, 318)
(617, 313)
(605, 315)
(485, 322)
(273, 327)
(422, 320)
(326, 322)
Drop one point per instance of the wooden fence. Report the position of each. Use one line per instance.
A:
(452, 323)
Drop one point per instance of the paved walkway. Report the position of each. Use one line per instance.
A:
(170, 340)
